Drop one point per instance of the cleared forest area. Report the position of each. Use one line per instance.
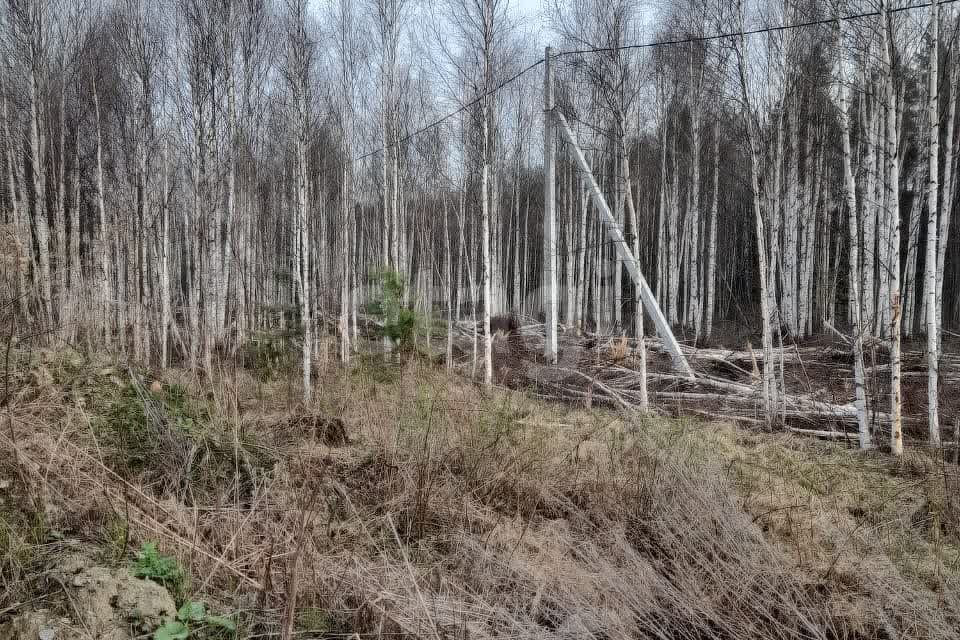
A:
(386, 318)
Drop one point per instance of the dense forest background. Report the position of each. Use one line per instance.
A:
(179, 174)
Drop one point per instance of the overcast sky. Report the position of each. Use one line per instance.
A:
(532, 14)
(528, 7)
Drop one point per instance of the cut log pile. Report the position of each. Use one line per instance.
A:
(817, 378)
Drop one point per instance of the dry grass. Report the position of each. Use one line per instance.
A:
(456, 513)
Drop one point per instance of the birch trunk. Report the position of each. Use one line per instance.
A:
(485, 243)
(693, 257)
(929, 285)
(60, 220)
(710, 301)
(21, 225)
(165, 261)
(39, 186)
(582, 280)
(448, 281)
(101, 242)
(870, 223)
(304, 265)
(77, 285)
(345, 268)
(913, 250)
(949, 185)
(226, 273)
(791, 232)
(673, 229)
(850, 191)
(641, 353)
(893, 216)
(550, 246)
(662, 248)
(570, 255)
(769, 382)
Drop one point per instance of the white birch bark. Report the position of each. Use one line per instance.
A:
(227, 260)
(884, 223)
(616, 160)
(710, 301)
(809, 218)
(663, 217)
(518, 264)
(769, 382)
(77, 285)
(39, 170)
(485, 243)
(448, 281)
(165, 261)
(101, 242)
(550, 246)
(641, 352)
(582, 280)
(60, 219)
(790, 232)
(870, 209)
(930, 297)
(673, 230)
(345, 267)
(892, 179)
(850, 190)
(694, 261)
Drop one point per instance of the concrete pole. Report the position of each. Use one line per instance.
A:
(615, 234)
(551, 297)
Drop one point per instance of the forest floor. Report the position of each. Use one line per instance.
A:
(406, 501)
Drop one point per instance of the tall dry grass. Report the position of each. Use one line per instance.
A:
(458, 513)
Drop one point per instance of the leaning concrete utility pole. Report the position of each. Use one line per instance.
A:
(551, 306)
(615, 233)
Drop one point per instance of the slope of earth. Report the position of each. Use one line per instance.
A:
(406, 502)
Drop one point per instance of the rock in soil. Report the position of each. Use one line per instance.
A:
(105, 603)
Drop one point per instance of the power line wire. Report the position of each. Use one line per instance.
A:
(646, 45)
(461, 109)
(776, 28)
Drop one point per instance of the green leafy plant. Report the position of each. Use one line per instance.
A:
(123, 422)
(162, 569)
(194, 619)
(185, 412)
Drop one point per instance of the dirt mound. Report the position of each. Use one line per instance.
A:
(41, 624)
(319, 428)
(100, 602)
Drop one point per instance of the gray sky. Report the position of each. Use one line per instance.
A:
(528, 7)
(531, 17)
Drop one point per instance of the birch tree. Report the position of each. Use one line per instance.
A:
(892, 199)
(297, 67)
(850, 191)
(769, 381)
(929, 281)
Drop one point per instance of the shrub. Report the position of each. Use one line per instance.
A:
(399, 321)
(193, 619)
(162, 569)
